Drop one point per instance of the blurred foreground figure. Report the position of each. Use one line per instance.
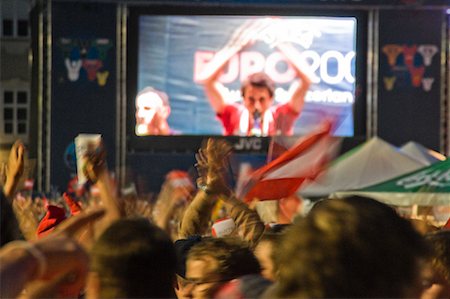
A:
(439, 282)
(350, 248)
(132, 259)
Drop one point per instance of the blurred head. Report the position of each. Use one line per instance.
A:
(212, 262)
(354, 247)
(132, 259)
(152, 111)
(439, 271)
(257, 91)
(264, 252)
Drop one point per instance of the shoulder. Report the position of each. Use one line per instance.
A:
(284, 109)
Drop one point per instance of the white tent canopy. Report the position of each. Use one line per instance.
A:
(421, 153)
(370, 163)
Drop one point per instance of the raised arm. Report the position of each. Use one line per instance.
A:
(299, 87)
(209, 77)
(45, 260)
(97, 172)
(247, 220)
(14, 169)
(212, 168)
(211, 183)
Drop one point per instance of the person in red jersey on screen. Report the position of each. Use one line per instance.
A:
(256, 116)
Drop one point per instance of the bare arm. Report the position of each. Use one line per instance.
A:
(299, 87)
(209, 77)
(97, 172)
(22, 262)
(170, 201)
(14, 168)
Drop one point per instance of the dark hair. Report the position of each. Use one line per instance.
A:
(353, 248)
(134, 259)
(9, 226)
(440, 244)
(182, 247)
(233, 255)
(259, 79)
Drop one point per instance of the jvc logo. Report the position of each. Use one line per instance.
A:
(248, 144)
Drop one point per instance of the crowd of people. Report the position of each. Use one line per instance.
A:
(198, 240)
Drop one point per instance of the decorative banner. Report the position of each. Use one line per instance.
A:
(409, 79)
(412, 60)
(83, 82)
(88, 55)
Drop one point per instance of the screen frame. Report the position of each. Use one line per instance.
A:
(191, 143)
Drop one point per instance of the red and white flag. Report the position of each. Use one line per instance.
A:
(304, 161)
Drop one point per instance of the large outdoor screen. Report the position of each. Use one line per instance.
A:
(174, 52)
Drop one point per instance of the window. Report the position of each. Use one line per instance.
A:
(15, 112)
(14, 18)
(22, 28)
(8, 28)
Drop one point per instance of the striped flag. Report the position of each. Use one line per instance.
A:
(304, 161)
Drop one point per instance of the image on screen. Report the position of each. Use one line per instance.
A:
(174, 52)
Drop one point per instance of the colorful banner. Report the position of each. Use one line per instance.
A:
(409, 89)
(83, 82)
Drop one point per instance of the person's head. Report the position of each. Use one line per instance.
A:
(354, 247)
(214, 261)
(264, 252)
(132, 259)
(257, 91)
(439, 281)
(152, 111)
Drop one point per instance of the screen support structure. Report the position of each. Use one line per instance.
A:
(445, 87)
(43, 94)
(121, 93)
(372, 74)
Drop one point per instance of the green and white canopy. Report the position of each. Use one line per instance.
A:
(428, 186)
(370, 163)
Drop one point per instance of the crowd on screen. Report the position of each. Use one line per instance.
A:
(197, 239)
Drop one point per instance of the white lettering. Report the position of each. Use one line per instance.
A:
(329, 96)
(430, 178)
(325, 60)
(317, 66)
(248, 144)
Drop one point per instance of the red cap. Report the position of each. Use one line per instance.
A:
(52, 218)
(74, 206)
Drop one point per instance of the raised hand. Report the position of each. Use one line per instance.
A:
(246, 34)
(211, 165)
(96, 162)
(14, 169)
(15, 161)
